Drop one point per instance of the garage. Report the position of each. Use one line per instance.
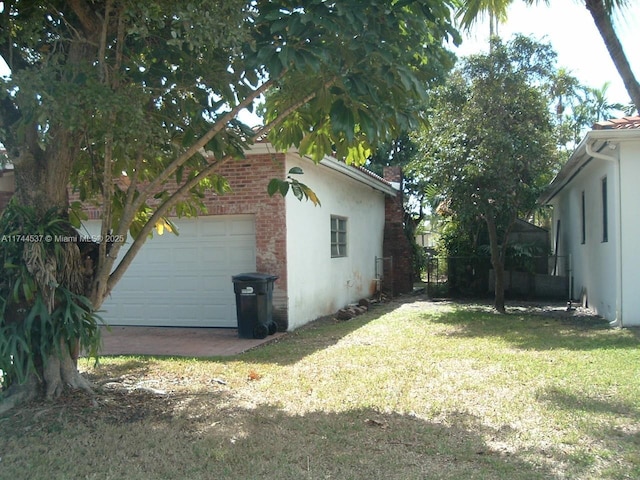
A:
(185, 280)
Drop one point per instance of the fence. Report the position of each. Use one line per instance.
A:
(525, 277)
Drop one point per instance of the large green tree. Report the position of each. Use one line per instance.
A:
(491, 144)
(118, 97)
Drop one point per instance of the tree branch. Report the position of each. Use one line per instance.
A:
(102, 50)
(160, 212)
(153, 186)
(183, 190)
(87, 17)
(134, 204)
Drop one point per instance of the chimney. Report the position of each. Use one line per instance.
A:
(397, 250)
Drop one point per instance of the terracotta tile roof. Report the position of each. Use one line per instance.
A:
(625, 123)
(372, 174)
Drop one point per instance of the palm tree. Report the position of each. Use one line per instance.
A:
(470, 11)
(565, 88)
(602, 12)
(589, 105)
(602, 109)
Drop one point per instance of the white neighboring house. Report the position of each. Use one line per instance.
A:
(596, 200)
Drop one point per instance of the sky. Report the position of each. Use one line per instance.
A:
(569, 28)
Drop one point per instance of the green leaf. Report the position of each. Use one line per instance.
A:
(358, 154)
(342, 119)
(296, 171)
(26, 290)
(367, 125)
(274, 186)
(284, 188)
(297, 190)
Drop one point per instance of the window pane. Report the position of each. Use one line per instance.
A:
(338, 237)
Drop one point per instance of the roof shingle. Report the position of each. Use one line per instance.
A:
(624, 123)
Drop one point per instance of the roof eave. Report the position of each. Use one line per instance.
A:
(334, 164)
(579, 158)
(358, 175)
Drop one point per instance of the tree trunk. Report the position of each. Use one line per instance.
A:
(42, 176)
(497, 261)
(41, 183)
(602, 19)
(498, 303)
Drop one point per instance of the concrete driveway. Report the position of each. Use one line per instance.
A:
(175, 341)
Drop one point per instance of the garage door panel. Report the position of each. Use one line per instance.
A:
(217, 255)
(215, 230)
(154, 259)
(240, 254)
(185, 280)
(146, 286)
(184, 288)
(219, 284)
(242, 228)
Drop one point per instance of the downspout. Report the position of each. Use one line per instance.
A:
(618, 321)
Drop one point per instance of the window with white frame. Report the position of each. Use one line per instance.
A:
(338, 236)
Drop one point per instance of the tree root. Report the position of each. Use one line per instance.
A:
(61, 372)
(19, 394)
(58, 374)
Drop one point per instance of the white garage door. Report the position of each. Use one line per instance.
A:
(185, 280)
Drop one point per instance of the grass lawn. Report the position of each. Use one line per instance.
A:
(410, 390)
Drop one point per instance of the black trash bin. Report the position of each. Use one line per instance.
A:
(254, 304)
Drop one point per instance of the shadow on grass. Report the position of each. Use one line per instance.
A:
(535, 328)
(313, 337)
(611, 423)
(136, 366)
(571, 402)
(206, 438)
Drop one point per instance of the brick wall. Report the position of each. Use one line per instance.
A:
(397, 273)
(248, 179)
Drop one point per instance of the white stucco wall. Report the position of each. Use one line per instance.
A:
(593, 262)
(630, 231)
(318, 284)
